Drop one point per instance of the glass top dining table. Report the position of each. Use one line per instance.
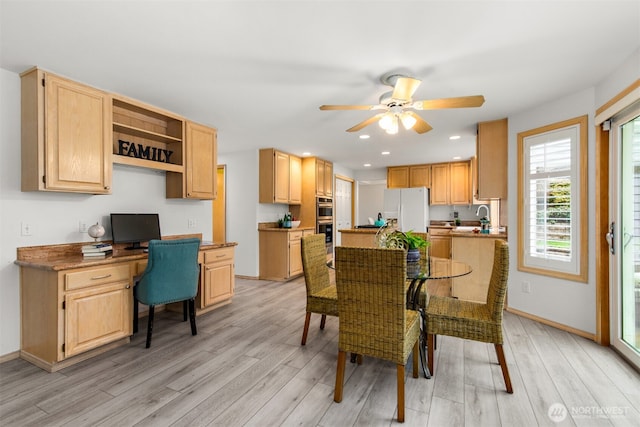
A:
(437, 268)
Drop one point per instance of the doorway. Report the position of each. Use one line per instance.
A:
(625, 233)
(343, 205)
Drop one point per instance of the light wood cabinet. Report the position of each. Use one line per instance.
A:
(450, 183)
(409, 176)
(398, 177)
(478, 253)
(66, 313)
(280, 177)
(217, 278)
(66, 135)
(280, 253)
(440, 239)
(199, 178)
(492, 151)
(317, 174)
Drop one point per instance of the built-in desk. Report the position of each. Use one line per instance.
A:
(73, 308)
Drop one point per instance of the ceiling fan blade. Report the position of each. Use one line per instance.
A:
(365, 123)
(420, 126)
(404, 88)
(459, 102)
(347, 107)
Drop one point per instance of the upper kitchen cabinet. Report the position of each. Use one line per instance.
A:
(491, 151)
(280, 177)
(450, 184)
(199, 178)
(66, 135)
(409, 176)
(317, 175)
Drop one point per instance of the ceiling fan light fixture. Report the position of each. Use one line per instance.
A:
(393, 129)
(386, 121)
(407, 120)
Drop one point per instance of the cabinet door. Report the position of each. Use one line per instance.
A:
(320, 177)
(97, 315)
(328, 179)
(440, 246)
(491, 149)
(398, 177)
(201, 162)
(460, 192)
(218, 282)
(295, 258)
(282, 171)
(420, 176)
(440, 184)
(78, 138)
(295, 180)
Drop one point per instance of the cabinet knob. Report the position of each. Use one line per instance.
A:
(106, 187)
(128, 287)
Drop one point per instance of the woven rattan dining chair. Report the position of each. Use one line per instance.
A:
(471, 320)
(374, 320)
(321, 293)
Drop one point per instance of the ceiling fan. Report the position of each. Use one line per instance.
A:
(397, 106)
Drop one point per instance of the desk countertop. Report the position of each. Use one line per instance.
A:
(68, 256)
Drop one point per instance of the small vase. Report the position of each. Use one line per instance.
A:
(413, 255)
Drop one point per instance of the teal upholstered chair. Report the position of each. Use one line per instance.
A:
(171, 276)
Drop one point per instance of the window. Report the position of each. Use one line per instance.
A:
(552, 200)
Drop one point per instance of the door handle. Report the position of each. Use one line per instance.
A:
(610, 236)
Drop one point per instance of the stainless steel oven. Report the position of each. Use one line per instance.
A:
(324, 221)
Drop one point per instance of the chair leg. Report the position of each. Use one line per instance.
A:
(400, 381)
(184, 311)
(416, 357)
(192, 316)
(135, 313)
(307, 319)
(150, 326)
(503, 365)
(342, 359)
(323, 319)
(430, 345)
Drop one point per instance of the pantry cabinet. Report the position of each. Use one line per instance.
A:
(280, 177)
(66, 135)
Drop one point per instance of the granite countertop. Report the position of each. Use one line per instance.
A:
(68, 256)
(359, 230)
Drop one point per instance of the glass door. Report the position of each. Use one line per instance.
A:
(625, 260)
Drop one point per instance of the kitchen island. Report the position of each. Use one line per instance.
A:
(358, 237)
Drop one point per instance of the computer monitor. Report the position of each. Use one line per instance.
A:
(134, 228)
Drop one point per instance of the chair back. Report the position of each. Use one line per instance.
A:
(372, 301)
(172, 272)
(499, 280)
(314, 263)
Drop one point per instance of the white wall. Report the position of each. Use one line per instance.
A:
(55, 216)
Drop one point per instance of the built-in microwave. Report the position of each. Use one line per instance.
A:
(324, 210)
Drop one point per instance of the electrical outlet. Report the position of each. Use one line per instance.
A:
(191, 223)
(82, 226)
(526, 287)
(26, 229)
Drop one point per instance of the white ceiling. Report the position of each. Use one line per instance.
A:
(258, 71)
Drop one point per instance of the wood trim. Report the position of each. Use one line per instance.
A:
(353, 203)
(9, 356)
(603, 326)
(628, 90)
(548, 322)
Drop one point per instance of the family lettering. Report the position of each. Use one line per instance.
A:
(139, 151)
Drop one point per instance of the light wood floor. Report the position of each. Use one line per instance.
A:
(246, 367)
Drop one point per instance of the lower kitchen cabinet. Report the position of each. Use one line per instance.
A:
(478, 253)
(280, 253)
(66, 313)
(440, 239)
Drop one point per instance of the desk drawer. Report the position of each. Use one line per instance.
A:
(88, 277)
(217, 255)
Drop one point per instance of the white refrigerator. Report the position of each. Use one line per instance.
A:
(410, 206)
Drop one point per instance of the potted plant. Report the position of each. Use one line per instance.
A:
(390, 238)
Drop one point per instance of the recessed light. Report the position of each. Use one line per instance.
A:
(457, 158)
(364, 137)
(367, 165)
(386, 153)
(306, 153)
(452, 137)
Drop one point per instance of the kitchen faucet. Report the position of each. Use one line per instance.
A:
(480, 207)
